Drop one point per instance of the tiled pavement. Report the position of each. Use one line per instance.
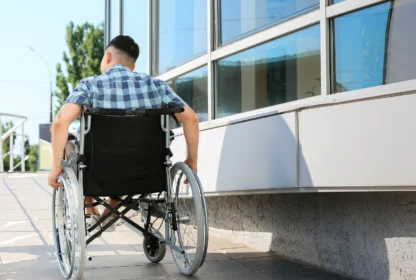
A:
(26, 247)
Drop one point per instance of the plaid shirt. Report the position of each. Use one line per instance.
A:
(121, 88)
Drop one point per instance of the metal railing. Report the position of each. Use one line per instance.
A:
(10, 134)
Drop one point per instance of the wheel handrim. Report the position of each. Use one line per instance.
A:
(64, 228)
(187, 238)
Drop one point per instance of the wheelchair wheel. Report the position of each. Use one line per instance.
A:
(190, 219)
(68, 226)
(154, 251)
(204, 206)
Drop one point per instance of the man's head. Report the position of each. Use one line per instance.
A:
(121, 50)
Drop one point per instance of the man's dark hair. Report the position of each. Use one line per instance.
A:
(126, 45)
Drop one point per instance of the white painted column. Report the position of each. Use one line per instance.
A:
(210, 80)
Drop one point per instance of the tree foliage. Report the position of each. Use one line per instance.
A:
(85, 50)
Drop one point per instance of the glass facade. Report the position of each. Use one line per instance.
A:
(242, 17)
(282, 70)
(181, 33)
(135, 25)
(114, 14)
(375, 46)
(193, 89)
(368, 45)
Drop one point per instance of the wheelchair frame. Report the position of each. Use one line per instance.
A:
(74, 163)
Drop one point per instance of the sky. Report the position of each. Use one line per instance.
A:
(24, 79)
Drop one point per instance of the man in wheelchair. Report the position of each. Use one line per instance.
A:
(118, 88)
(124, 140)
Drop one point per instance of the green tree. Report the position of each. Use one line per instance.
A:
(85, 51)
(33, 152)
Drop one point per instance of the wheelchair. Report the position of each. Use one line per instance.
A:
(126, 154)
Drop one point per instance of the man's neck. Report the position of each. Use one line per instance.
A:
(122, 64)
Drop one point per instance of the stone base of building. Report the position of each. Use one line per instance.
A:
(361, 235)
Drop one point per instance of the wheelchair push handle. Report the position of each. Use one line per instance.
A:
(171, 109)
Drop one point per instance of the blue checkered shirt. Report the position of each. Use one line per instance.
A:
(121, 88)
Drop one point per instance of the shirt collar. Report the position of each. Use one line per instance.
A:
(118, 67)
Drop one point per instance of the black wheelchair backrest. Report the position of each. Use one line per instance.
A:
(125, 152)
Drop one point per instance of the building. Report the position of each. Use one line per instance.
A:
(308, 119)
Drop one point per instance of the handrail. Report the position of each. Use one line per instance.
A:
(10, 134)
(13, 129)
(12, 116)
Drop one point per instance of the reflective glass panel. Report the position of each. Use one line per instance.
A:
(279, 71)
(375, 46)
(114, 14)
(181, 33)
(135, 25)
(192, 88)
(242, 17)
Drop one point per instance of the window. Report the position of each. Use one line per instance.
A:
(375, 46)
(135, 25)
(282, 70)
(181, 33)
(192, 88)
(114, 14)
(242, 17)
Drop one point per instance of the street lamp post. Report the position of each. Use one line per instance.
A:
(50, 82)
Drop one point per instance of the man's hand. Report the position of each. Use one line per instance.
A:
(53, 177)
(192, 164)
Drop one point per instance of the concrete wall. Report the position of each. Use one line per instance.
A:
(363, 144)
(362, 235)
(367, 143)
(257, 154)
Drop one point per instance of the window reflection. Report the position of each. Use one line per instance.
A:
(242, 17)
(114, 14)
(282, 70)
(182, 33)
(135, 26)
(375, 46)
(192, 88)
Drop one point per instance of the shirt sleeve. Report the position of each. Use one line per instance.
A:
(80, 95)
(169, 96)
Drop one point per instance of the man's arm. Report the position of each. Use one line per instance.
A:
(69, 113)
(191, 130)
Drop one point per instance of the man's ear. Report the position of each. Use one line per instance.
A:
(108, 57)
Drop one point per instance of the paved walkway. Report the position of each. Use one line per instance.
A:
(26, 247)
